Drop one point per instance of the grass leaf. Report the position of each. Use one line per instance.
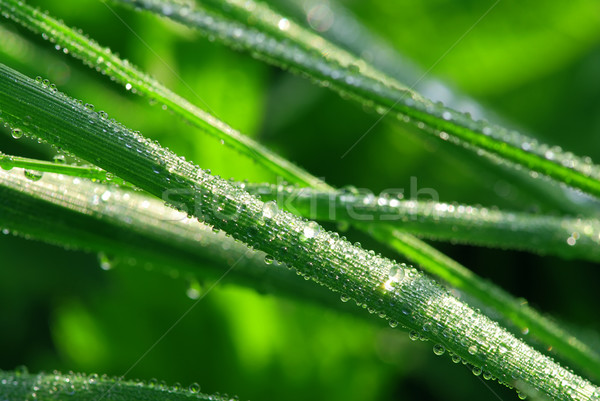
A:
(567, 237)
(80, 214)
(21, 385)
(290, 46)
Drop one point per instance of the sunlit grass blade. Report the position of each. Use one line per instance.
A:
(338, 71)
(55, 31)
(101, 58)
(567, 237)
(79, 214)
(21, 385)
(516, 310)
(91, 53)
(305, 202)
(322, 206)
(403, 295)
(338, 24)
(8, 162)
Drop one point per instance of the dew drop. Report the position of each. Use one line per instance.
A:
(194, 388)
(413, 335)
(93, 378)
(396, 273)
(456, 358)
(310, 230)
(59, 159)
(105, 262)
(283, 24)
(268, 259)
(194, 290)
(270, 209)
(344, 298)
(17, 133)
(33, 175)
(476, 371)
(439, 349)
(472, 349)
(6, 162)
(521, 395)
(21, 370)
(393, 323)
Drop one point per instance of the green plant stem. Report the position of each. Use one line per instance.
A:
(562, 236)
(401, 294)
(341, 72)
(20, 385)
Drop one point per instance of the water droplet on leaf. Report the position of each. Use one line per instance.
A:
(33, 175)
(270, 209)
(17, 133)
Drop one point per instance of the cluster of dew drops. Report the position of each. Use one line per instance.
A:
(57, 385)
(7, 162)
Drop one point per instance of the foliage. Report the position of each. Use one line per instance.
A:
(82, 218)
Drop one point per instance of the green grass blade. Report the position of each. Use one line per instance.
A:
(133, 79)
(82, 47)
(8, 162)
(403, 295)
(513, 309)
(348, 32)
(438, 264)
(115, 67)
(343, 74)
(567, 237)
(79, 214)
(21, 385)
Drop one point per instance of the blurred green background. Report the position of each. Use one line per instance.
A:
(535, 63)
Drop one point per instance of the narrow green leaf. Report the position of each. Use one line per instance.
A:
(340, 25)
(8, 162)
(401, 294)
(567, 237)
(292, 47)
(91, 53)
(344, 205)
(21, 385)
(79, 214)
